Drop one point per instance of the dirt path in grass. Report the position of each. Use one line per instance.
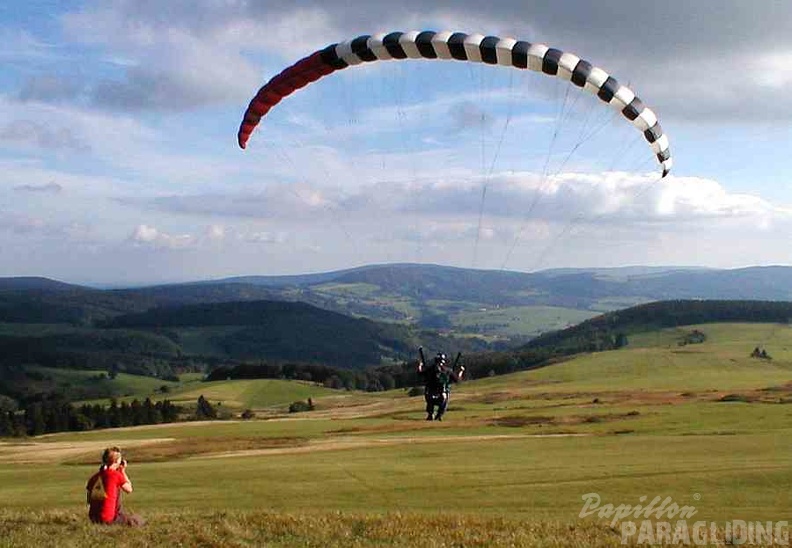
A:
(339, 443)
(37, 452)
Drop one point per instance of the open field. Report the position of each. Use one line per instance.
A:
(703, 424)
(124, 384)
(523, 321)
(465, 317)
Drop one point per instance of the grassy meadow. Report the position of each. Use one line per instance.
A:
(704, 424)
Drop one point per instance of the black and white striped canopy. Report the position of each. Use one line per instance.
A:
(459, 46)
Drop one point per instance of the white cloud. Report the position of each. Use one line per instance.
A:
(183, 56)
(145, 234)
(609, 198)
(772, 69)
(215, 233)
(264, 237)
(185, 73)
(151, 236)
(619, 197)
(211, 237)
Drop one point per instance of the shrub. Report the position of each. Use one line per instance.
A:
(735, 397)
(204, 409)
(299, 406)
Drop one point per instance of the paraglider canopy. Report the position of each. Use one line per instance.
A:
(475, 48)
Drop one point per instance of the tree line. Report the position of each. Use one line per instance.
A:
(57, 415)
(379, 378)
(372, 379)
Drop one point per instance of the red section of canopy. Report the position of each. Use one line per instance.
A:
(299, 75)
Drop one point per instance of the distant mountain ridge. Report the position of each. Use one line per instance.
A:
(651, 283)
(423, 294)
(35, 283)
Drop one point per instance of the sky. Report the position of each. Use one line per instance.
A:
(119, 163)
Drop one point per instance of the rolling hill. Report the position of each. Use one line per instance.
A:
(277, 330)
(359, 317)
(425, 296)
(364, 317)
(164, 341)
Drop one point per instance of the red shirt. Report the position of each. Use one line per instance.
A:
(105, 511)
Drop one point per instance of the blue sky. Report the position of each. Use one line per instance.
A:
(119, 162)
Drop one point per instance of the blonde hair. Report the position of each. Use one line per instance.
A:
(111, 455)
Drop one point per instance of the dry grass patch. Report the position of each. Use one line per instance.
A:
(189, 447)
(595, 419)
(495, 397)
(326, 530)
(518, 421)
(402, 426)
(39, 451)
(771, 394)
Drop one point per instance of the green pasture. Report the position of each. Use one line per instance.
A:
(655, 361)
(369, 295)
(726, 339)
(251, 394)
(609, 304)
(518, 321)
(704, 424)
(665, 369)
(266, 395)
(357, 290)
(466, 317)
(123, 383)
(124, 386)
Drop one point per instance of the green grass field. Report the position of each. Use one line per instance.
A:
(132, 386)
(704, 424)
(522, 321)
(250, 394)
(467, 318)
